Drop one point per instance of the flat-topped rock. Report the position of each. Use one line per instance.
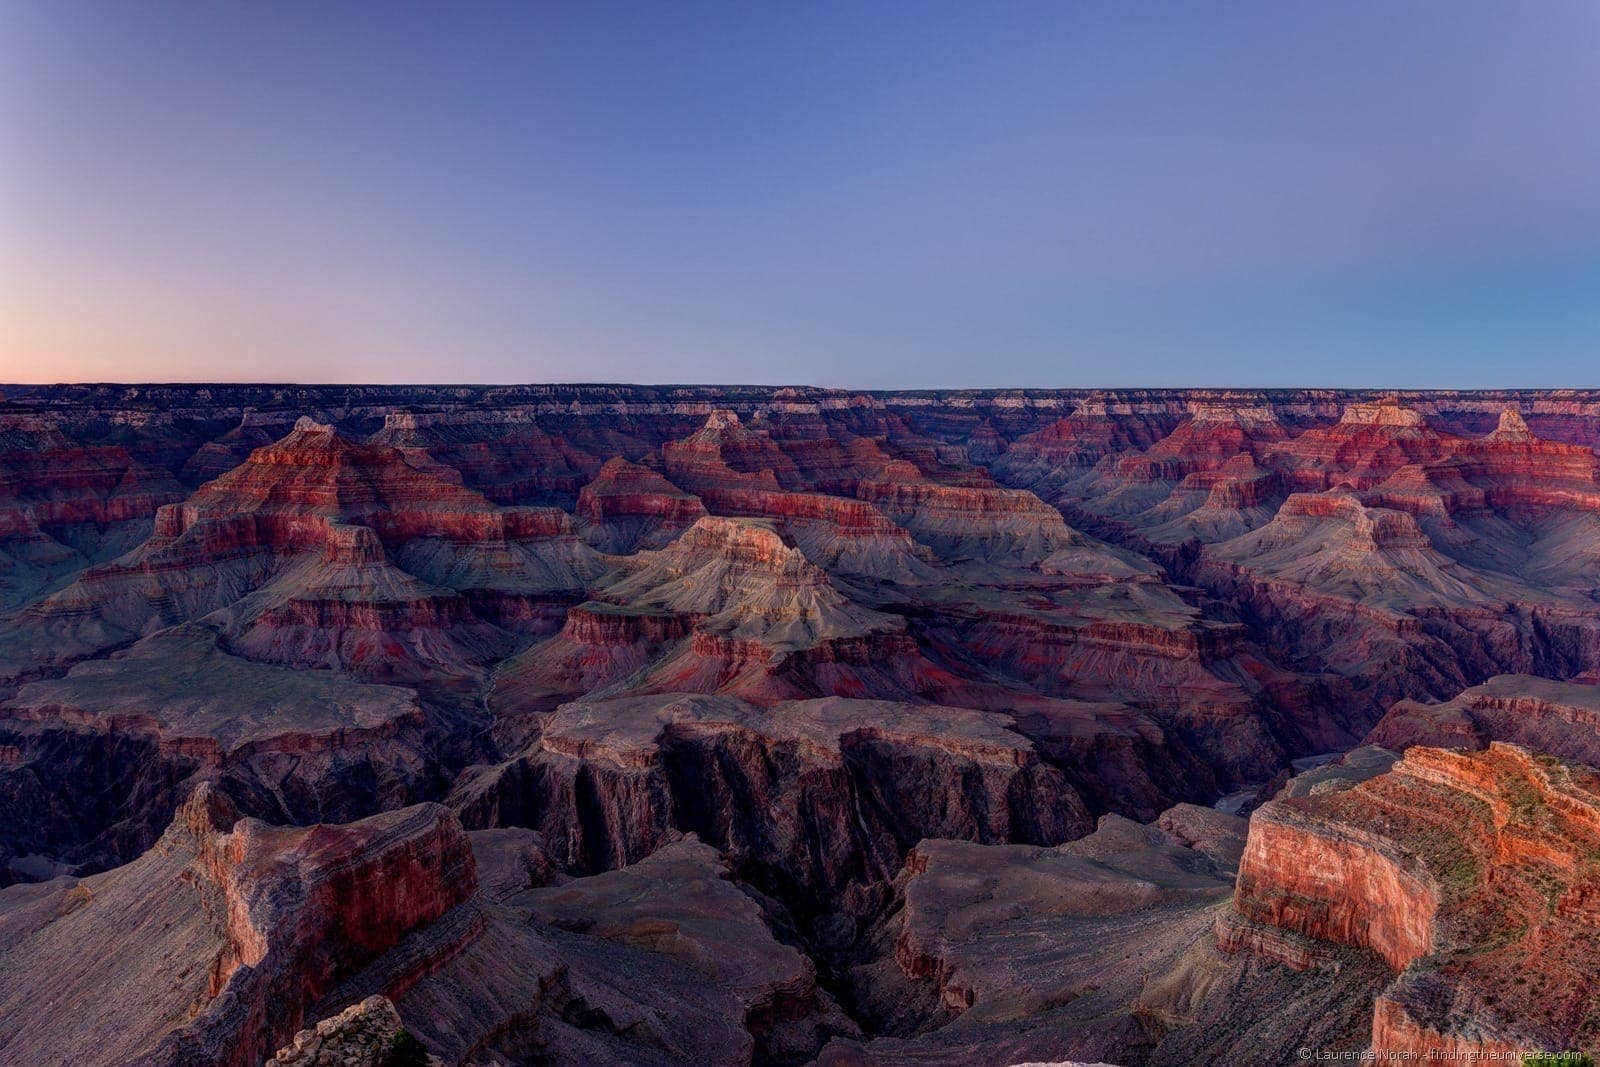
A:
(816, 792)
(1512, 426)
(179, 685)
(1384, 413)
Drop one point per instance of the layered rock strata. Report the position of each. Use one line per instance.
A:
(1470, 874)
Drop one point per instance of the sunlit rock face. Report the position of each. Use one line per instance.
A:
(678, 724)
(1470, 874)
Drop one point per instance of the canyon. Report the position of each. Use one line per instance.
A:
(659, 724)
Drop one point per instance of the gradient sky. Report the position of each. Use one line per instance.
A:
(1380, 193)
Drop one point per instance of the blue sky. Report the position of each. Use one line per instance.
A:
(861, 195)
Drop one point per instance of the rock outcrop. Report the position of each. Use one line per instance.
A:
(256, 921)
(960, 522)
(92, 764)
(368, 1034)
(628, 507)
(1470, 874)
(66, 505)
(1358, 584)
(505, 455)
(666, 961)
(849, 537)
(727, 607)
(1555, 718)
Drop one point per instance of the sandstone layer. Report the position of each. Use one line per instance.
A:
(1471, 875)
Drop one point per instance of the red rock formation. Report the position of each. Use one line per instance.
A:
(1355, 586)
(373, 621)
(1435, 491)
(1517, 470)
(985, 444)
(261, 920)
(1507, 473)
(47, 480)
(65, 505)
(970, 522)
(506, 456)
(298, 547)
(316, 472)
(255, 429)
(728, 607)
(1211, 437)
(1471, 875)
(847, 537)
(1370, 442)
(726, 451)
(1095, 430)
(805, 596)
(628, 507)
(1339, 885)
(743, 581)
(1554, 718)
(599, 645)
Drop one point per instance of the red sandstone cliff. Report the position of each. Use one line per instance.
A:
(1470, 874)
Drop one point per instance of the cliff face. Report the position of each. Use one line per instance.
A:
(1329, 884)
(629, 507)
(1471, 875)
(817, 800)
(95, 761)
(253, 923)
(1025, 953)
(302, 908)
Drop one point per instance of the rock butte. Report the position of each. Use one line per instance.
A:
(624, 724)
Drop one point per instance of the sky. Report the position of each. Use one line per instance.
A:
(1387, 193)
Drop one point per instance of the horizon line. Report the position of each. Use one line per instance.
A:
(199, 383)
